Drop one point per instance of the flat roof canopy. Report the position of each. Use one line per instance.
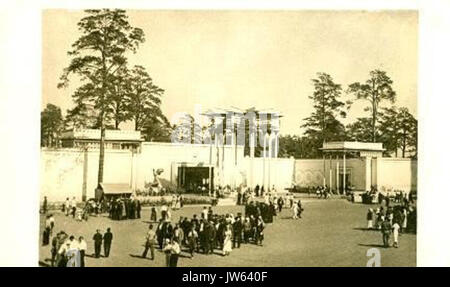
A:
(115, 188)
(352, 146)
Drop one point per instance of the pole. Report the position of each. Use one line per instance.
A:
(101, 160)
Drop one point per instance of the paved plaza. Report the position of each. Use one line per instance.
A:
(331, 233)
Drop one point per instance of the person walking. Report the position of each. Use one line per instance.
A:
(386, 229)
(237, 234)
(52, 224)
(192, 240)
(82, 246)
(280, 204)
(73, 205)
(44, 205)
(247, 230)
(138, 208)
(396, 229)
(97, 243)
(260, 231)
(153, 215)
(369, 219)
(150, 241)
(227, 242)
(174, 253)
(167, 251)
(300, 208)
(46, 234)
(405, 219)
(295, 210)
(107, 240)
(67, 206)
(55, 248)
(72, 253)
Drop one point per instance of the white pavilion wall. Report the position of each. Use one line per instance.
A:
(396, 174)
(62, 172)
(167, 156)
(276, 172)
(62, 169)
(309, 172)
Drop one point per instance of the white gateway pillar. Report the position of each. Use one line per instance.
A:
(368, 163)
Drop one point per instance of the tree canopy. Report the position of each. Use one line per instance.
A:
(51, 126)
(323, 124)
(376, 89)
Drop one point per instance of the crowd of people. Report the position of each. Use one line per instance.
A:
(124, 208)
(207, 232)
(210, 232)
(67, 251)
(393, 218)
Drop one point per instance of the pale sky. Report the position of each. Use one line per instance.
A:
(264, 59)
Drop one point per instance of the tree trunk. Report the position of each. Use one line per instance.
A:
(101, 159)
(403, 147)
(374, 118)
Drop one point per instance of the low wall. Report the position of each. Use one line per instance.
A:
(62, 170)
(310, 172)
(396, 174)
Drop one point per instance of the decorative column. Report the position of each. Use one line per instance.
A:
(368, 163)
(132, 172)
(270, 157)
(276, 145)
(85, 175)
(252, 155)
(264, 161)
(337, 173)
(324, 181)
(218, 140)
(210, 159)
(331, 173)
(344, 182)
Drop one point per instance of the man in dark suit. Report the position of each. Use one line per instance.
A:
(97, 243)
(138, 208)
(44, 205)
(107, 240)
(237, 234)
(386, 229)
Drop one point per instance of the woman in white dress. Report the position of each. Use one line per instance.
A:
(295, 209)
(227, 247)
(405, 220)
(178, 202)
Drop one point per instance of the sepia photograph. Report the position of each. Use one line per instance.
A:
(228, 138)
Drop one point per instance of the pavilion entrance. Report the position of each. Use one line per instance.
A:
(194, 178)
(334, 150)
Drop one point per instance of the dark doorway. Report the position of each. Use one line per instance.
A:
(193, 179)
